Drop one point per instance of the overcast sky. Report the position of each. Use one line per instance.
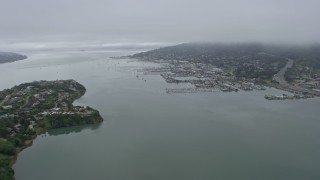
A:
(29, 22)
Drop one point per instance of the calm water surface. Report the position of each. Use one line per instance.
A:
(150, 135)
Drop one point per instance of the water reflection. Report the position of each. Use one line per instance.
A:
(74, 129)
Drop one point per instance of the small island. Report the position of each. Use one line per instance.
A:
(30, 109)
(6, 57)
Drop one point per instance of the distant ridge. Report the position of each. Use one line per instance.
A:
(6, 57)
(222, 55)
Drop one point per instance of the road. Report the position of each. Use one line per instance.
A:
(26, 102)
(5, 100)
(279, 77)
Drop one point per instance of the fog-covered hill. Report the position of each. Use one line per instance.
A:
(246, 60)
(10, 57)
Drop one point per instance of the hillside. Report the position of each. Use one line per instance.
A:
(244, 60)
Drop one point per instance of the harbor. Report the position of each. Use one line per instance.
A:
(203, 78)
(287, 97)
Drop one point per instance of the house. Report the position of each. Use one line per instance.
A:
(30, 127)
(17, 126)
(7, 107)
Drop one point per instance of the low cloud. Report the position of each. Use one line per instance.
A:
(28, 24)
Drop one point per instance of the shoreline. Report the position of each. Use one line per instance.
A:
(43, 106)
(29, 143)
(172, 79)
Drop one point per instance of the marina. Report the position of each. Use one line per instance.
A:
(203, 78)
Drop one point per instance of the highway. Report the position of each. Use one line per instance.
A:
(279, 77)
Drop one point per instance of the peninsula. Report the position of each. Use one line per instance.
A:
(6, 57)
(233, 67)
(30, 109)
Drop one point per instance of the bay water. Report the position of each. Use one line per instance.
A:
(150, 135)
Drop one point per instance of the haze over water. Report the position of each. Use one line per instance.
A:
(148, 134)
